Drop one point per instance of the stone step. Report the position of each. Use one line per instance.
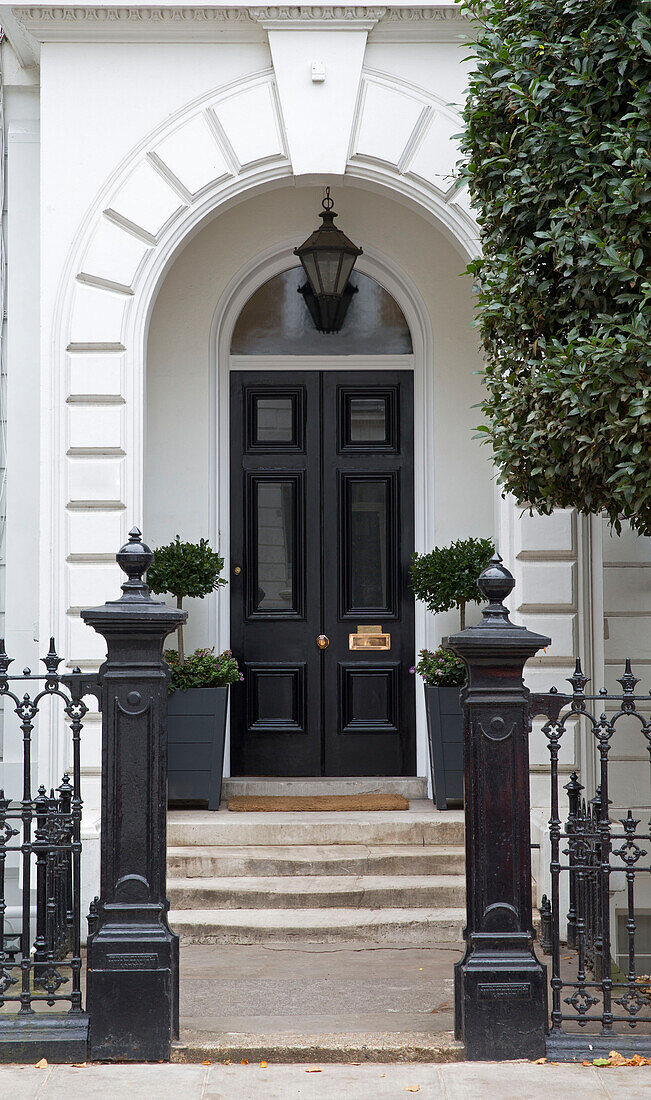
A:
(424, 826)
(410, 787)
(246, 926)
(211, 861)
(230, 1044)
(322, 892)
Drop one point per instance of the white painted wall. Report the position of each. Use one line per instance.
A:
(627, 633)
(117, 92)
(144, 134)
(19, 395)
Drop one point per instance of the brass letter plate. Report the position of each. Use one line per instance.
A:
(369, 637)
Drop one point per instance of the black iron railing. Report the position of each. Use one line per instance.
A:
(42, 963)
(593, 995)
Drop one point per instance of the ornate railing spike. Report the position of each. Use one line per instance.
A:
(603, 996)
(43, 831)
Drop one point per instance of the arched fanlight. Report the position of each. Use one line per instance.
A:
(328, 257)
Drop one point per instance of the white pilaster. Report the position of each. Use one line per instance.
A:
(23, 388)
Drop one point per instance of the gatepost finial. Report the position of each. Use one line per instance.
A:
(134, 558)
(495, 583)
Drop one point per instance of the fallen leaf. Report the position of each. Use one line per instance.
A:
(244, 1062)
(79, 1065)
(354, 1063)
(227, 1062)
(205, 1063)
(567, 957)
(412, 1088)
(586, 1063)
(42, 1064)
(540, 1061)
(313, 1069)
(616, 1059)
(263, 1065)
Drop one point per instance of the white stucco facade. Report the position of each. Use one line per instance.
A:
(163, 162)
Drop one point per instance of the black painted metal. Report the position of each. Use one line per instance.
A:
(328, 257)
(132, 953)
(600, 1007)
(500, 985)
(45, 832)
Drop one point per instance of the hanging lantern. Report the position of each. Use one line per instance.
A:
(328, 258)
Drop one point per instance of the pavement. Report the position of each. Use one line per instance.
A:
(292, 1002)
(460, 1081)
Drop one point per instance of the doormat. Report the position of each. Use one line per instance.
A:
(281, 803)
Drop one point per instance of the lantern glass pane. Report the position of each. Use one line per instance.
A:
(347, 264)
(329, 264)
(309, 263)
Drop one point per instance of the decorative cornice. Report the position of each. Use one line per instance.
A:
(189, 23)
(425, 15)
(140, 15)
(131, 24)
(312, 17)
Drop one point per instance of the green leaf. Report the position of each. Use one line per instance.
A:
(556, 156)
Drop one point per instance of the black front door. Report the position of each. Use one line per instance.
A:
(322, 618)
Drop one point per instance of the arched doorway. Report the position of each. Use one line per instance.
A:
(321, 533)
(189, 363)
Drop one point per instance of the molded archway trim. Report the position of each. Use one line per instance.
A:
(218, 150)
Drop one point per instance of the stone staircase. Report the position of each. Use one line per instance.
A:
(387, 877)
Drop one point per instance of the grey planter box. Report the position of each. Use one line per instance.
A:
(196, 730)
(445, 731)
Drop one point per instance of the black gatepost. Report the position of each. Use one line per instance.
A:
(132, 990)
(500, 985)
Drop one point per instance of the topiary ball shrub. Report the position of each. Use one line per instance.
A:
(447, 576)
(185, 569)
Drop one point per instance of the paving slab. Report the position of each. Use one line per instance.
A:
(300, 1002)
(461, 1081)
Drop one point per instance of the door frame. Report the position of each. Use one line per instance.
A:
(245, 283)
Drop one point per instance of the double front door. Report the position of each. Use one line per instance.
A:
(322, 618)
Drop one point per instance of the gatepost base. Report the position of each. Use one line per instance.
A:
(132, 995)
(502, 1005)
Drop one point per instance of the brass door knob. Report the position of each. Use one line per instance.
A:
(322, 641)
(237, 570)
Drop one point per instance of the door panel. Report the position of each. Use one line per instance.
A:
(368, 561)
(368, 483)
(274, 516)
(322, 529)
(275, 604)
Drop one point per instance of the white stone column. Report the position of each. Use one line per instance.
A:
(23, 389)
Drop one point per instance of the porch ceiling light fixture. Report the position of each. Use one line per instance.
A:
(328, 257)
